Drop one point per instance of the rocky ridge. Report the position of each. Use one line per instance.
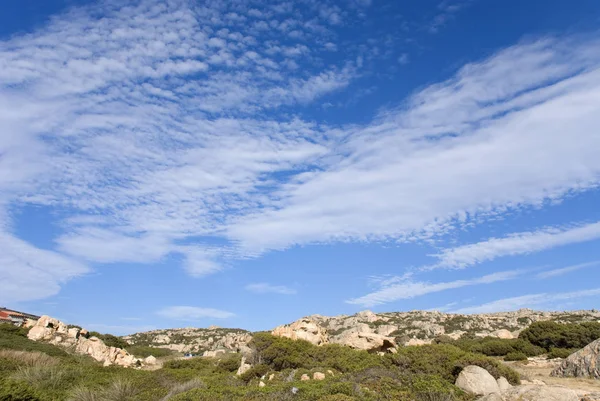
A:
(383, 331)
(57, 333)
(366, 330)
(207, 342)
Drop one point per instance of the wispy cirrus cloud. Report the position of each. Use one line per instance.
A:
(167, 129)
(516, 244)
(565, 270)
(191, 313)
(266, 288)
(545, 300)
(394, 289)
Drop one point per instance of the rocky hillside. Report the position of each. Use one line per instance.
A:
(207, 342)
(364, 330)
(367, 330)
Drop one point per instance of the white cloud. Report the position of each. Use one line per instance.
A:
(491, 139)
(405, 288)
(159, 126)
(193, 313)
(528, 301)
(566, 270)
(29, 273)
(516, 244)
(264, 288)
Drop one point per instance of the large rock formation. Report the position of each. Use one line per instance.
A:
(303, 329)
(583, 363)
(476, 380)
(208, 342)
(57, 333)
(419, 327)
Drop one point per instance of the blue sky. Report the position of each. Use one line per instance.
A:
(245, 163)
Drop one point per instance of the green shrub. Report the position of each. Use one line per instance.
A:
(229, 363)
(142, 351)
(17, 391)
(110, 340)
(515, 356)
(560, 353)
(254, 372)
(558, 335)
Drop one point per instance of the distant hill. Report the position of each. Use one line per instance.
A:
(364, 330)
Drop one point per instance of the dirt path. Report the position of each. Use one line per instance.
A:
(539, 369)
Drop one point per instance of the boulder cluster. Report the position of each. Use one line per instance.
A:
(478, 381)
(78, 340)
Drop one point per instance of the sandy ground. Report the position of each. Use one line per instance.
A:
(540, 370)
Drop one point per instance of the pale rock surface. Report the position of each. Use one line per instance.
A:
(503, 384)
(491, 397)
(503, 333)
(367, 341)
(583, 363)
(318, 376)
(303, 329)
(271, 376)
(261, 384)
(540, 393)
(476, 380)
(304, 377)
(150, 360)
(56, 332)
(244, 366)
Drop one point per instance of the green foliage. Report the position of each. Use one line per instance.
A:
(15, 338)
(254, 372)
(492, 346)
(110, 340)
(447, 361)
(558, 335)
(11, 390)
(560, 352)
(229, 362)
(142, 351)
(515, 356)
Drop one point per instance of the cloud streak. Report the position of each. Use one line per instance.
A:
(398, 288)
(527, 301)
(516, 244)
(266, 288)
(192, 313)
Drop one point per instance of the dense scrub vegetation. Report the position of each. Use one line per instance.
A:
(36, 371)
(33, 371)
(549, 335)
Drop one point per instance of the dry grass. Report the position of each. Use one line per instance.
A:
(43, 377)
(28, 358)
(81, 393)
(119, 390)
(183, 387)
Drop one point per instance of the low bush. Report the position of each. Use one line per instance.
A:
(515, 356)
(560, 353)
(550, 334)
(142, 351)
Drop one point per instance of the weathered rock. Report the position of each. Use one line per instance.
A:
(303, 329)
(318, 376)
(214, 354)
(540, 393)
(583, 363)
(57, 333)
(304, 377)
(271, 376)
(491, 397)
(367, 341)
(591, 397)
(244, 366)
(150, 360)
(476, 380)
(503, 384)
(502, 333)
(261, 384)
